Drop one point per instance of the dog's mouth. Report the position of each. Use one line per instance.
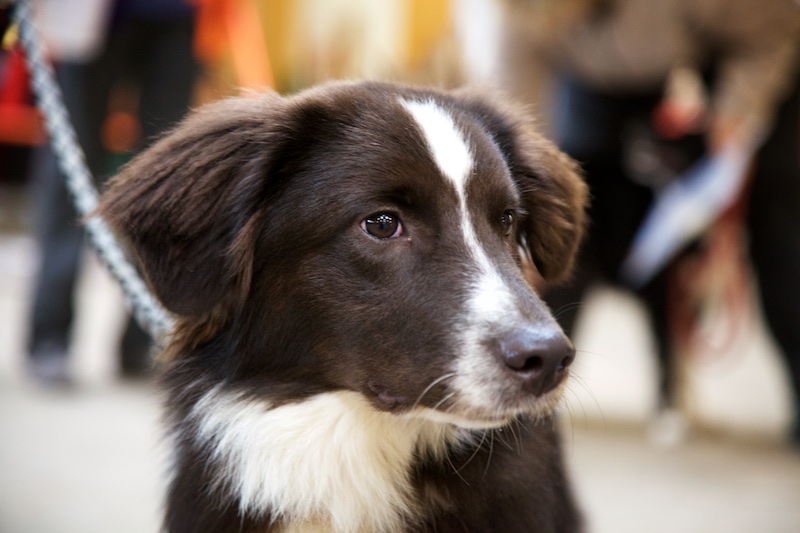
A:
(464, 410)
(499, 411)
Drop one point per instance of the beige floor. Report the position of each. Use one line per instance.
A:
(91, 460)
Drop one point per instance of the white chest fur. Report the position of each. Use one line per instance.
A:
(331, 461)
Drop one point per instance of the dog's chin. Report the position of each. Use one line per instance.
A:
(492, 416)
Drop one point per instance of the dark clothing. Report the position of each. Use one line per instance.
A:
(156, 55)
(774, 226)
(592, 127)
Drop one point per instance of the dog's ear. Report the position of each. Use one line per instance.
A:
(188, 205)
(553, 191)
(555, 197)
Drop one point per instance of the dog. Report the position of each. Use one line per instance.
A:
(358, 346)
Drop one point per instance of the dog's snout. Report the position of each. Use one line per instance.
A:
(539, 358)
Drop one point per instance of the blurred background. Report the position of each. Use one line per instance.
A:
(682, 413)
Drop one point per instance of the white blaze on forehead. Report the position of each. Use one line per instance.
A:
(447, 145)
(490, 295)
(490, 301)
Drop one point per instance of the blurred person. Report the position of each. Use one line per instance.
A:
(146, 44)
(695, 77)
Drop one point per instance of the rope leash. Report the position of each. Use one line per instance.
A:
(149, 314)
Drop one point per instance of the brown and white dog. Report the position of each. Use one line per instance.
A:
(358, 344)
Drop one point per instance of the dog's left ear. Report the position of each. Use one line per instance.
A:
(552, 189)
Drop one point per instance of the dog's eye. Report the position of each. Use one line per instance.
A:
(508, 221)
(382, 226)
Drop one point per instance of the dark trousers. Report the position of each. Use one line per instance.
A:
(592, 127)
(156, 55)
(774, 226)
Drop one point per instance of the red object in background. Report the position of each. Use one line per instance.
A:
(234, 27)
(711, 298)
(672, 121)
(20, 122)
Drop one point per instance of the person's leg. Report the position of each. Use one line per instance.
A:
(161, 63)
(774, 224)
(167, 74)
(85, 89)
(584, 129)
(592, 127)
(60, 243)
(60, 239)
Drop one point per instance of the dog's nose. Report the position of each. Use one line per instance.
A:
(539, 357)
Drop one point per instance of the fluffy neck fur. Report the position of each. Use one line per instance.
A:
(331, 462)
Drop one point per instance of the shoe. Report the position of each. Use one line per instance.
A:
(136, 369)
(668, 429)
(794, 435)
(49, 366)
(136, 353)
(136, 364)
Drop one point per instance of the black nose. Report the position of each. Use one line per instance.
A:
(539, 357)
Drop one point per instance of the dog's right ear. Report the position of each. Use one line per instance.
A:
(189, 205)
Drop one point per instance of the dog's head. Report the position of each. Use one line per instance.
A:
(363, 237)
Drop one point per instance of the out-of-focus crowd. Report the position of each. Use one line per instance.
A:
(683, 115)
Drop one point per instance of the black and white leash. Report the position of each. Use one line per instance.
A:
(146, 310)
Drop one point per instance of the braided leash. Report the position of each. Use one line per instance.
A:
(146, 310)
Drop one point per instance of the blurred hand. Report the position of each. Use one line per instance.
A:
(725, 130)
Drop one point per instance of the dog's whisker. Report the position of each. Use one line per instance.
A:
(456, 471)
(593, 353)
(515, 434)
(500, 433)
(585, 386)
(475, 452)
(489, 457)
(443, 400)
(568, 406)
(431, 386)
(571, 426)
(558, 313)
